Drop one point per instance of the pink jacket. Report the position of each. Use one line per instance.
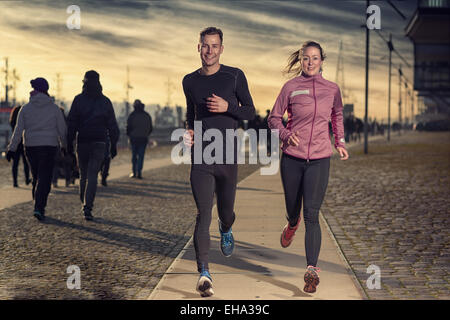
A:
(310, 102)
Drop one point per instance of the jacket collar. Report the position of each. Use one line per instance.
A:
(314, 77)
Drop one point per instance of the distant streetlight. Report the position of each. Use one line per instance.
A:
(367, 84)
(391, 48)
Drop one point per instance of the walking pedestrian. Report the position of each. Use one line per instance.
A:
(44, 129)
(139, 128)
(310, 102)
(217, 96)
(91, 119)
(20, 152)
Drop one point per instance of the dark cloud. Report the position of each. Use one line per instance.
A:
(323, 18)
(109, 38)
(85, 34)
(131, 9)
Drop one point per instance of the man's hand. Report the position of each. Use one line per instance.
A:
(216, 104)
(188, 138)
(9, 155)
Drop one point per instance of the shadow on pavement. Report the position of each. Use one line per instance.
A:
(159, 246)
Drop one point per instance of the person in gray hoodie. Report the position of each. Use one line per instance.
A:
(43, 127)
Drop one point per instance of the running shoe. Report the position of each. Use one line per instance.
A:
(288, 234)
(226, 242)
(204, 284)
(311, 279)
(38, 215)
(88, 215)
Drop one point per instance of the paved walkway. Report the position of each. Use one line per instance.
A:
(11, 196)
(390, 210)
(373, 206)
(259, 268)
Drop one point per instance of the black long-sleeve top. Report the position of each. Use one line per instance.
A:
(228, 83)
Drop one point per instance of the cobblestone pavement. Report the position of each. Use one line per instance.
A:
(139, 228)
(391, 208)
(123, 156)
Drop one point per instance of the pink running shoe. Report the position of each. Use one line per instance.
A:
(311, 279)
(288, 234)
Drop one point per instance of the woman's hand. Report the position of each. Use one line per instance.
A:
(293, 140)
(343, 153)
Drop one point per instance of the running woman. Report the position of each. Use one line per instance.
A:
(310, 101)
(217, 96)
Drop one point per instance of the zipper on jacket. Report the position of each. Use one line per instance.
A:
(314, 118)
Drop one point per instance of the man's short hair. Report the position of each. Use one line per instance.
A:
(211, 31)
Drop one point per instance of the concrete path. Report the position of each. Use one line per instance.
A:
(259, 267)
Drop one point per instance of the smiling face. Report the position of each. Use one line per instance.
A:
(311, 61)
(210, 50)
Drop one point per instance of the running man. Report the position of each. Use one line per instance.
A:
(218, 97)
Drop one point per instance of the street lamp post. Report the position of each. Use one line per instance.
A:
(367, 87)
(400, 73)
(391, 48)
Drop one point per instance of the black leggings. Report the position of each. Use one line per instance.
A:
(42, 160)
(205, 181)
(307, 181)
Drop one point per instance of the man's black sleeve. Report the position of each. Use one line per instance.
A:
(246, 111)
(13, 117)
(190, 107)
(129, 128)
(113, 127)
(73, 120)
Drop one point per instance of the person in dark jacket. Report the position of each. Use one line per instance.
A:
(42, 126)
(91, 119)
(20, 153)
(139, 128)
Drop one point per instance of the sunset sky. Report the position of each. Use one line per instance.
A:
(158, 40)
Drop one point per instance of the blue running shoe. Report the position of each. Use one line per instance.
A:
(204, 284)
(226, 242)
